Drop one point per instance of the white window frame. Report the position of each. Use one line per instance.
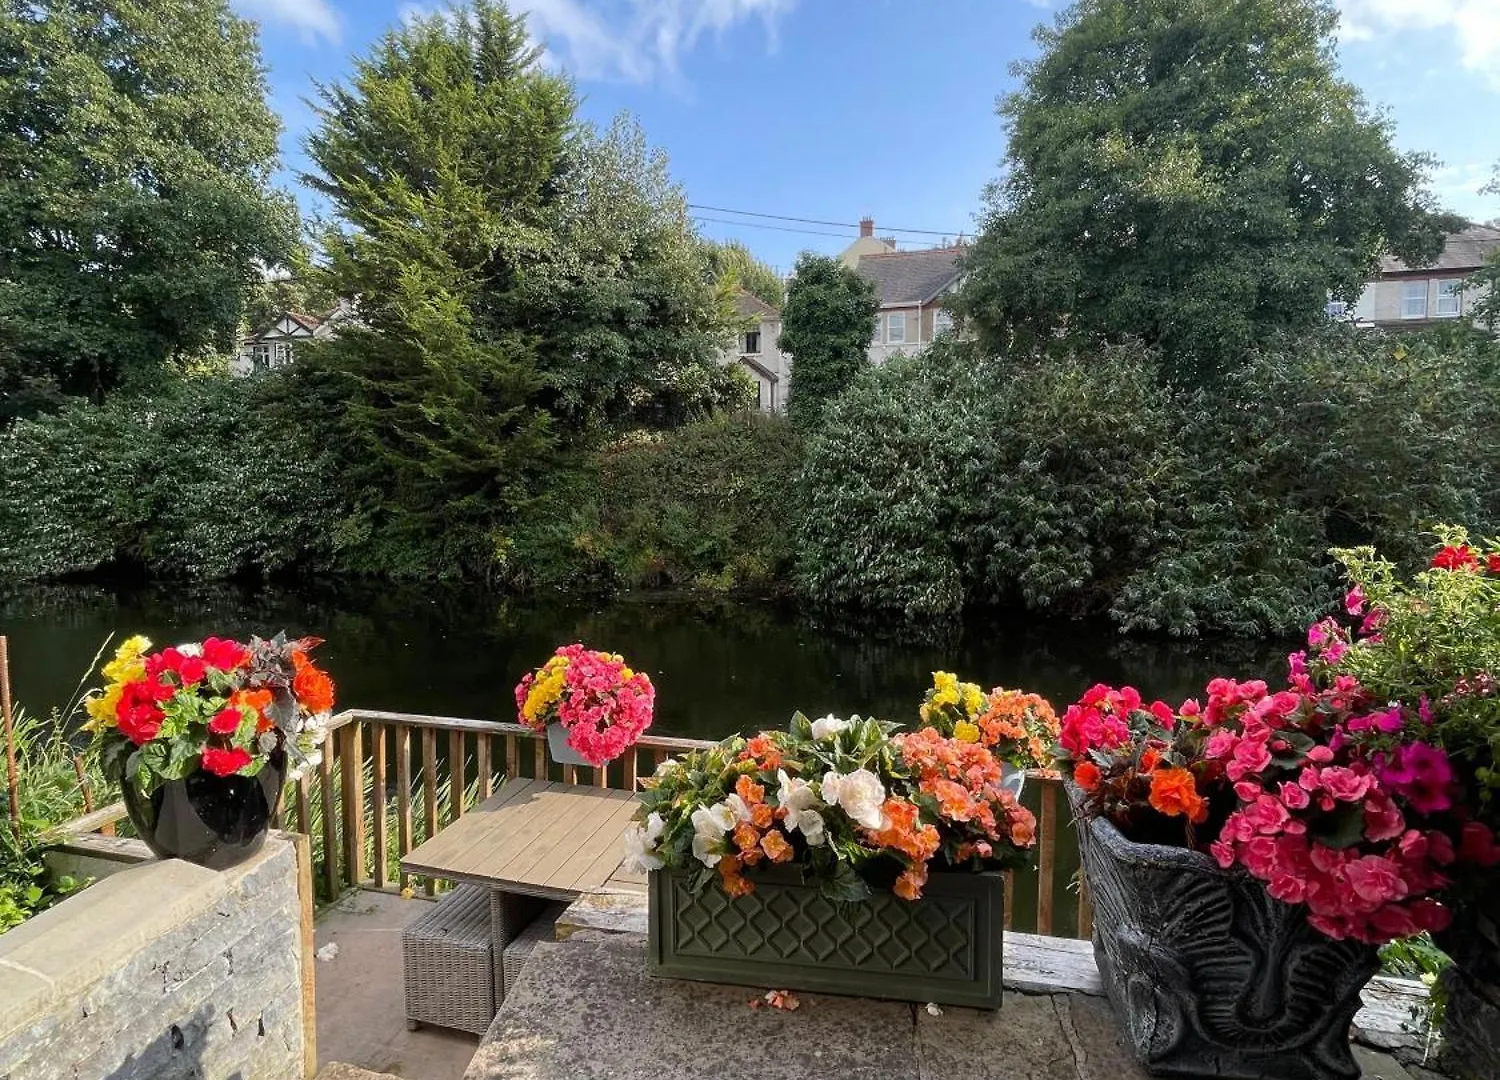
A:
(1456, 286)
(942, 322)
(1409, 295)
(260, 357)
(745, 343)
(890, 322)
(281, 353)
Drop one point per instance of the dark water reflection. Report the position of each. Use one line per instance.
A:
(720, 666)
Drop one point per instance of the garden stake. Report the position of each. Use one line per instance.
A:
(13, 782)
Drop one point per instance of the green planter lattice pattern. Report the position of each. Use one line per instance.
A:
(945, 947)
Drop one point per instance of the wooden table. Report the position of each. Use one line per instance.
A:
(535, 837)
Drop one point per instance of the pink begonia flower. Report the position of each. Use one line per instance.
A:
(1223, 851)
(1354, 600)
(1318, 634)
(1422, 775)
(1344, 784)
(1376, 880)
(1190, 707)
(1267, 814)
(1221, 743)
(1248, 791)
(1311, 777)
(1335, 651)
(1383, 821)
(1294, 796)
(1387, 722)
(1320, 755)
(1250, 756)
(1440, 848)
(1476, 844)
(1296, 663)
(1373, 621)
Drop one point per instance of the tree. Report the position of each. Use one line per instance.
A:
(438, 159)
(136, 151)
(1189, 173)
(520, 281)
(733, 260)
(826, 329)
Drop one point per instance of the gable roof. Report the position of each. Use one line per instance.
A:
(752, 306)
(1464, 250)
(910, 277)
(759, 368)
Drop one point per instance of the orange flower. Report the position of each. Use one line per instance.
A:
(763, 751)
(313, 687)
(761, 815)
(954, 801)
(1150, 759)
(904, 833)
(1174, 792)
(776, 847)
(749, 790)
(1086, 775)
(746, 838)
(909, 885)
(260, 701)
(729, 876)
(1022, 827)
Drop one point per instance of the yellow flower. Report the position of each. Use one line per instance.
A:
(101, 708)
(964, 731)
(973, 699)
(127, 664)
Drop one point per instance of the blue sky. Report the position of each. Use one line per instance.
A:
(833, 109)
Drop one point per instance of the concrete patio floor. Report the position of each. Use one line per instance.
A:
(361, 1012)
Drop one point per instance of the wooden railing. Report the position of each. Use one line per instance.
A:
(390, 781)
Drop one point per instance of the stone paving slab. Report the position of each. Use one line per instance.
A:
(585, 1009)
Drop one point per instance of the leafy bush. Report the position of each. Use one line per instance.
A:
(709, 505)
(1082, 484)
(195, 481)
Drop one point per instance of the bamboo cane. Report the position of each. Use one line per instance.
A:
(13, 780)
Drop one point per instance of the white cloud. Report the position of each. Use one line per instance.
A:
(1474, 25)
(638, 40)
(312, 19)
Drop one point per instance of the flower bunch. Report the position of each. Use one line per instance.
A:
(1135, 765)
(604, 705)
(850, 800)
(1336, 808)
(218, 705)
(1017, 727)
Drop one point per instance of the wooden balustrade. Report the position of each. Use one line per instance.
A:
(361, 824)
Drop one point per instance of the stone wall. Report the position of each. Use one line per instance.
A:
(163, 971)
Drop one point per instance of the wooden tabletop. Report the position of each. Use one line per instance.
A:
(532, 836)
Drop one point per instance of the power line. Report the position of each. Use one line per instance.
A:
(787, 228)
(820, 221)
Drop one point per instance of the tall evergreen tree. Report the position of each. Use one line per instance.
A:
(827, 325)
(1190, 173)
(136, 151)
(732, 259)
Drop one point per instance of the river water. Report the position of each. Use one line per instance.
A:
(719, 666)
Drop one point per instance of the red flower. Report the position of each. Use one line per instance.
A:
(224, 654)
(1086, 775)
(227, 722)
(1456, 557)
(225, 762)
(1494, 564)
(138, 713)
(191, 669)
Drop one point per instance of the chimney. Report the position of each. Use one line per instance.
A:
(866, 226)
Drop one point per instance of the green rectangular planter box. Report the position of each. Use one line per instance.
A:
(942, 948)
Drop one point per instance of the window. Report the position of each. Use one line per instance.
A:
(751, 343)
(942, 322)
(1448, 297)
(895, 326)
(1414, 300)
(281, 352)
(260, 357)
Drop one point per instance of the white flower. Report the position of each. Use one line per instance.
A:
(810, 822)
(313, 760)
(859, 794)
(794, 793)
(640, 845)
(713, 821)
(738, 807)
(193, 649)
(828, 727)
(665, 767)
(703, 843)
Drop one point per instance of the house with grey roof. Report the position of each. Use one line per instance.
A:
(912, 287)
(1408, 297)
(757, 349)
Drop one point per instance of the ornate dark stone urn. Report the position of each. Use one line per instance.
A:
(1471, 1019)
(1209, 975)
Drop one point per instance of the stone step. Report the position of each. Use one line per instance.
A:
(337, 1070)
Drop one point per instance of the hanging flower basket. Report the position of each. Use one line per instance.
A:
(591, 705)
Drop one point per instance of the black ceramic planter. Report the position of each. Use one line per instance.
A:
(1209, 975)
(214, 821)
(1471, 1020)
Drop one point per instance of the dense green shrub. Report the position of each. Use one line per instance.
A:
(1083, 484)
(708, 505)
(197, 481)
